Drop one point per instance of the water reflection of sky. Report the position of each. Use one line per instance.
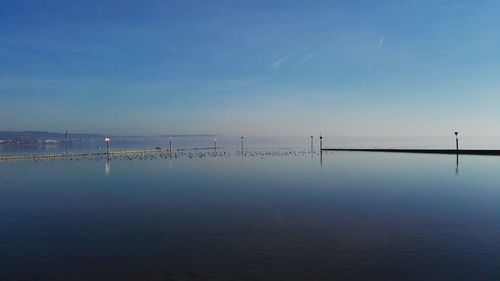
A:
(356, 216)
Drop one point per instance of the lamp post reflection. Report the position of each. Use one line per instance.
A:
(107, 166)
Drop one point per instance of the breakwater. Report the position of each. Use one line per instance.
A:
(423, 151)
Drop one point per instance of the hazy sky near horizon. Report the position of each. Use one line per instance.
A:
(368, 68)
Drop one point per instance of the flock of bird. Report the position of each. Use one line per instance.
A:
(194, 154)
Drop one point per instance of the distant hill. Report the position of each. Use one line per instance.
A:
(40, 135)
(190, 136)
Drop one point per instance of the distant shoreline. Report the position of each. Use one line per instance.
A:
(42, 137)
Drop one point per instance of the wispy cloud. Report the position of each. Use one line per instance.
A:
(236, 84)
(375, 58)
(304, 59)
(278, 63)
(380, 42)
(293, 59)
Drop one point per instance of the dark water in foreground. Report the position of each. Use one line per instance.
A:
(358, 216)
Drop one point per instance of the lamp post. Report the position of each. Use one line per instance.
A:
(107, 140)
(241, 145)
(320, 142)
(456, 140)
(312, 146)
(215, 143)
(170, 145)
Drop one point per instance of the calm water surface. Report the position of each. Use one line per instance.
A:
(350, 216)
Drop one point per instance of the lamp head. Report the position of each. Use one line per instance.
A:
(456, 133)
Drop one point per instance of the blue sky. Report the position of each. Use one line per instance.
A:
(356, 68)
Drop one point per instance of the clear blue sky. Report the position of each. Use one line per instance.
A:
(367, 68)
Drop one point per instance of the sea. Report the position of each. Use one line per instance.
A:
(262, 210)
